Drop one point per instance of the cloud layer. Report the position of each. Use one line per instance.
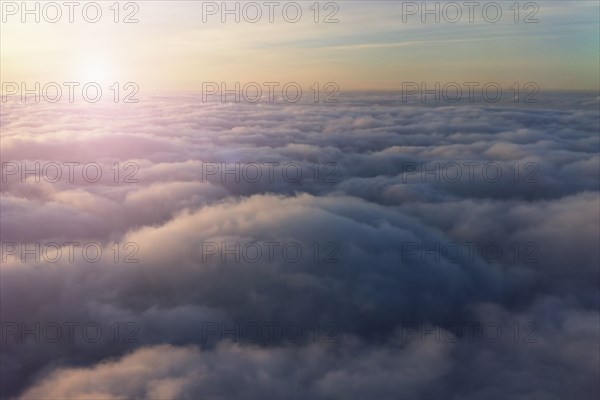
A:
(363, 249)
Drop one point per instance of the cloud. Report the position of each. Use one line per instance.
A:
(245, 372)
(366, 188)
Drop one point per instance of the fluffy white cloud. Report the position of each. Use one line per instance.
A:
(367, 189)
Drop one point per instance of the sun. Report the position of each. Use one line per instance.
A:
(99, 69)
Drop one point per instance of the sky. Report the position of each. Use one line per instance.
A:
(374, 45)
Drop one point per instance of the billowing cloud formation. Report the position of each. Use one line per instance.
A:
(248, 372)
(363, 249)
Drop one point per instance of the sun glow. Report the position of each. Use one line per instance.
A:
(97, 69)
